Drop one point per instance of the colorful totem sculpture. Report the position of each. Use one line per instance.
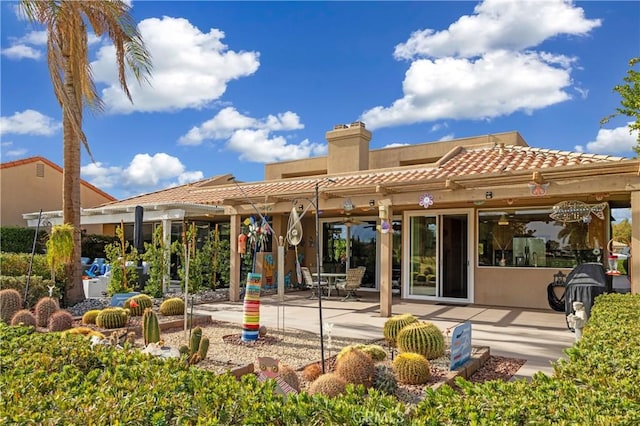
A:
(251, 319)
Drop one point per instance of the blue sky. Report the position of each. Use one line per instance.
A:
(239, 84)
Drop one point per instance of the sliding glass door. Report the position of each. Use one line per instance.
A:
(438, 262)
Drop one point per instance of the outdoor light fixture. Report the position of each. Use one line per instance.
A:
(488, 195)
(300, 207)
(372, 203)
(503, 220)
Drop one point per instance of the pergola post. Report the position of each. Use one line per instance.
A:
(386, 261)
(634, 262)
(235, 261)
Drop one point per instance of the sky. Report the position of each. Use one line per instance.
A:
(236, 85)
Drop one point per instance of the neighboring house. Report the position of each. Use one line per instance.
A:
(35, 183)
(485, 220)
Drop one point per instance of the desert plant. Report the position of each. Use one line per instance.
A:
(311, 372)
(137, 304)
(198, 347)
(112, 318)
(290, 376)
(24, 317)
(172, 306)
(45, 307)
(60, 246)
(119, 254)
(376, 352)
(423, 338)
(38, 287)
(60, 321)
(10, 303)
(356, 367)
(85, 331)
(411, 368)
(393, 326)
(150, 327)
(385, 380)
(157, 257)
(330, 384)
(89, 317)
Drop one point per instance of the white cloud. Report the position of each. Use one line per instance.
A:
(21, 51)
(395, 145)
(499, 24)
(29, 122)
(253, 138)
(612, 141)
(16, 152)
(144, 173)
(447, 137)
(497, 84)
(439, 126)
(191, 69)
(483, 65)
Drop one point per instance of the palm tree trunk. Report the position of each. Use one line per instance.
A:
(71, 192)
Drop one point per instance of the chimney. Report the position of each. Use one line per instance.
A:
(348, 148)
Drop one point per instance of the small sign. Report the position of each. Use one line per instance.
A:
(460, 345)
(118, 299)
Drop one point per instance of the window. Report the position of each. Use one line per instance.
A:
(530, 238)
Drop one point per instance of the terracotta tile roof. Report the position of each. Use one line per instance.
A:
(461, 163)
(56, 167)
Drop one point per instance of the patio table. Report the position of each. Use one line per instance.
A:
(331, 277)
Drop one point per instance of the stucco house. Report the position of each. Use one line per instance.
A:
(35, 183)
(484, 220)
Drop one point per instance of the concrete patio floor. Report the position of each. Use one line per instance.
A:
(539, 336)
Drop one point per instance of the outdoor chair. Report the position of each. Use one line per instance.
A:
(311, 282)
(352, 282)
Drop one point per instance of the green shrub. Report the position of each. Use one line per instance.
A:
(49, 378)
(17, 264)
(38, 288)
(20, 240)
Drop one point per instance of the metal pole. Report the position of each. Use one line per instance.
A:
(319, 277)
(33, 251)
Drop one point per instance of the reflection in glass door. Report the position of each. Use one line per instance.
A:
(438, 260)
(349, 245)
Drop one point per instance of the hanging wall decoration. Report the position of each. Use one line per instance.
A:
(426, 200)
(577, 211)
(538, 189)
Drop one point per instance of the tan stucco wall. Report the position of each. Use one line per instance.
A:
(513, 287)
(22, 191)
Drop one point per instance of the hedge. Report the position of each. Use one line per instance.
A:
(597, 384)
(38, 287)
(48, 378)
(20, 240)
(17, 264)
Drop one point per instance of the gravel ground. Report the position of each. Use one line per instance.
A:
(298, 349)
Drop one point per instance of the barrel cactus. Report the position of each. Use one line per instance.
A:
(393, 326)
(376, 352)
(422, 338)
(356, 367)
(112, 318)
(137, 304)
(290, 376)
(150, 327)
(10, 303)
(173, 306)
(385, 380)
(330, 385)
(60, 321)
(311, 372)
(411, 368)
(24, 317)
(45, 307)
(89, 317)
